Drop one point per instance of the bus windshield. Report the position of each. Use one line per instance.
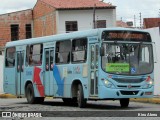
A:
(127, 58)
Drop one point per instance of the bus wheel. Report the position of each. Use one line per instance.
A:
(80, 97)
(30, 94)
(124, 102)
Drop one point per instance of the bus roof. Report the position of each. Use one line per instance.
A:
(73, 35)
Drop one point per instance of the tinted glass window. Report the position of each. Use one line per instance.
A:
(35, 54)
(63, 49)
(10, 57)
(79, 50)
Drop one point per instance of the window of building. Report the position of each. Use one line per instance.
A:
(34, 55)
(14, 32)
(101, 24)
(71, 26)
(10, 57)
(79, 50)
(28, 31)
(63, 49)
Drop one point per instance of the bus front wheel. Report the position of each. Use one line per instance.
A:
(124, 102)
(80, 97)
(30, 94)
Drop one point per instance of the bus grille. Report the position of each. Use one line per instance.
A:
(125, 86)
(124, 80)
(129, 92)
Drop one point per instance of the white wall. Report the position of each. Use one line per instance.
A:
(1, 74)
(84, 18)
(155, 34)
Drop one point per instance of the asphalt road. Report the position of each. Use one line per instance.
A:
(95, 109)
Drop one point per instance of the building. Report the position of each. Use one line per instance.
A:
(50, 17)
(15, 26)
(156, 45)
(120, 23)
(151, 22)
(62, 16)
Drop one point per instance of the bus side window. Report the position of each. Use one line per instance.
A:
(27, 55)
(79, 50)
(35, 55)
(10, 57)
(63, 49)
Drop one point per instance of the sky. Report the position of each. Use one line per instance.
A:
(125, 10)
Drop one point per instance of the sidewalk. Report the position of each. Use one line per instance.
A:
(155, 100)
(7, 96)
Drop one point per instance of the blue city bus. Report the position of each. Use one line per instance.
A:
(98, 64)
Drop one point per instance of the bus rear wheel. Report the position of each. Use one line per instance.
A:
(124, 102)
(31, 97)
(80, 97)
(30, 94)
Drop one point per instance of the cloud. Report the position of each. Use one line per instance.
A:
(126, 9)
(15, 5)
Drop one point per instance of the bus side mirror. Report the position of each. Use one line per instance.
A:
(102, 51)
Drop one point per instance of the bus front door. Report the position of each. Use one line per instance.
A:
(20, 73)
(48, 71)
(94, 70)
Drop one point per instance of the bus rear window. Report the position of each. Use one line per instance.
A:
(10, 57)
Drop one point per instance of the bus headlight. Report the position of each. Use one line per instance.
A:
(108, 84)
(149, 83)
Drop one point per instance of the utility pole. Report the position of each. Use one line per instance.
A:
(121, 19)
(159, 13)
(134, 21)
(94, 14)
(140, 16)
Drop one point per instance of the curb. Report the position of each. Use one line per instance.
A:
(146, 100)
(7, 96)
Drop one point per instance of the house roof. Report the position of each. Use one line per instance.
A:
(120, 23)
(151, 22)
(77, 4)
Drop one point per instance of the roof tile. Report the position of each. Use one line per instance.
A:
(74, 4)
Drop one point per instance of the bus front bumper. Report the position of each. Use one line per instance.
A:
(109, 93)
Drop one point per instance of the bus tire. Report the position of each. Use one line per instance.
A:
(124, 102)
(80, 97)
(30, 94)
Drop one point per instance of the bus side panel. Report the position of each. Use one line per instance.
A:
(9, 81)
(64, 75)
(35, 75)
